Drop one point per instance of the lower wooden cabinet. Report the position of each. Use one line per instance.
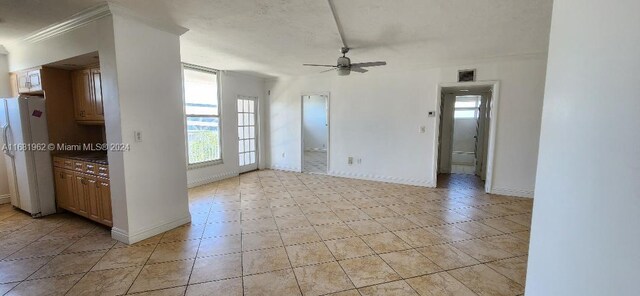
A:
(84, 194)
(64, 188)
(104, 194)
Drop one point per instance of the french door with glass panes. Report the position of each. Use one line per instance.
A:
(247, 133)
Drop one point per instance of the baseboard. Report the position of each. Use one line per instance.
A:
(285, 168)
(5, 198)
(512, 192)
(123, 236)
(210, 179)
(397, 180)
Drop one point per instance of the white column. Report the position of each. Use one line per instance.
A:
(586, 216)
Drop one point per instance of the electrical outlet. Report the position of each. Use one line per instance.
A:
(283, 154)
(137, 136)
(423, 129)
(350, 160)
(359, 161)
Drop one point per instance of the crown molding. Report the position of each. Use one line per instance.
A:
(95, 13)
(168, 27)
(77, 20)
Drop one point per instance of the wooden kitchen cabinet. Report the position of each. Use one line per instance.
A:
(93, 199)
(81, 194)
(104, 195)
(87, 96)
(83, 187)
(64, 188)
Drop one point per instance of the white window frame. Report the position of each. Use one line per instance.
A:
(193, 67)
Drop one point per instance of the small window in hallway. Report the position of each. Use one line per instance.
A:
(467, 106)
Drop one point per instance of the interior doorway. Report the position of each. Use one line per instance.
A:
(247, 133)
(465, 136)
(315, 133)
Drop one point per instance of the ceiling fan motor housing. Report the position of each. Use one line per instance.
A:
(344, 62)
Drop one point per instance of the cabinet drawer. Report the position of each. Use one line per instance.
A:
(90, 168)
(103, 171)
(78, 165)
(63, 163)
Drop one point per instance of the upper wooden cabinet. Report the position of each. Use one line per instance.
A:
(87, 96)
(28, 81)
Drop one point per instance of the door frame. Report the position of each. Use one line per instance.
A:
(327, 95)
(493, 127)
(256, 104)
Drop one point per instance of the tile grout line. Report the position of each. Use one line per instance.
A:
(326, 246)
(145, 263)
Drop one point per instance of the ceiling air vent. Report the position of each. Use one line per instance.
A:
(466, 75)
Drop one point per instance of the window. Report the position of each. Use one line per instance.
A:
(202, 114)
(467, 107)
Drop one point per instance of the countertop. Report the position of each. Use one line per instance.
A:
(95, 157)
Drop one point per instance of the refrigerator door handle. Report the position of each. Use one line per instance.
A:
(5, 137)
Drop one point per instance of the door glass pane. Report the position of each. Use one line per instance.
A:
(246, 132)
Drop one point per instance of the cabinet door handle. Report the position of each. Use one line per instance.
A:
(61, 176)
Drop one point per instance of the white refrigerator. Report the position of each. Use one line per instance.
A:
(23, 123)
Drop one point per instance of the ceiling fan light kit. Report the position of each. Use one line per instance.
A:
(344, 65)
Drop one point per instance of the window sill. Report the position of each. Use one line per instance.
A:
(204, 164)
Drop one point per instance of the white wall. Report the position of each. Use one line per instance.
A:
(5, 91)
(376, 117)
(315, 122)
(585, 236)
(150, 101)
(232, 85)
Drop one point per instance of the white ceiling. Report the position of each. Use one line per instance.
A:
(274, 37)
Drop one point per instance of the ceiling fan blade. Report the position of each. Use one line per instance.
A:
(317, 65)
(327, 70)
(359, 70)
(369, 64)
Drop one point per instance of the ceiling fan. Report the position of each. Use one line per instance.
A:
(344, 65)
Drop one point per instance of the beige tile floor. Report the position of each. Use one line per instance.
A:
(278, 233)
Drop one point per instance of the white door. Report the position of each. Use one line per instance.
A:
(247, 133)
